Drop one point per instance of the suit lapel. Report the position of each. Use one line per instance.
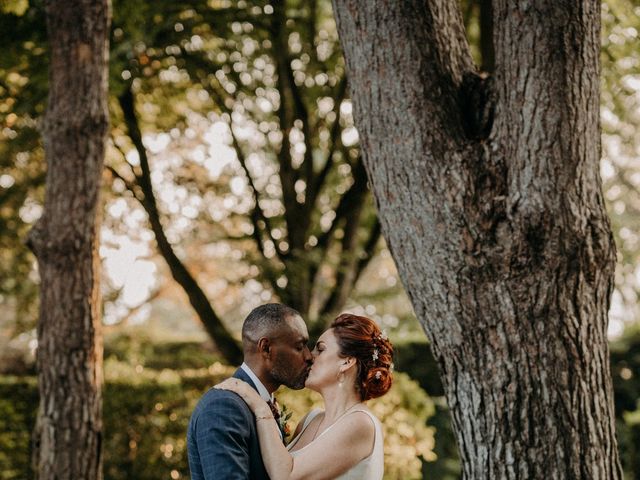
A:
(242, 375)
(258, 469)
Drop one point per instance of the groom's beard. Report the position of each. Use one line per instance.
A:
(283, 374)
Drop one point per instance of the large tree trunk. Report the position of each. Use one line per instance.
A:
(490, 200)
(65, 240)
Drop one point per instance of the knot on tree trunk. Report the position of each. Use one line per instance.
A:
(58, 250)
(476, 101)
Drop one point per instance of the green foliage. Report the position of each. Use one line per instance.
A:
(23, 87)
(16, 7)
(146, 413)
(409, 442)
(628, 433)
(272, 76)
(140, 349)
(415, 358)
(18, 405)
(447, 464)
(145, 420)
(625, 371)
(620, 169)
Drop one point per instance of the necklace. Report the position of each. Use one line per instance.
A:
(315, 434)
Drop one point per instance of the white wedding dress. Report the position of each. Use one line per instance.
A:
(370, 468)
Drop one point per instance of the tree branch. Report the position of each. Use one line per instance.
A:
(295, 218)
(257, 214)
(428, 34)
(334, 136)
(347, 266)
(131, 186)
(285, 71)
(311, 28)
(124, 158)
(220, 97)
(198, 299)
(133, 310)
(369, 250)
(349, 201)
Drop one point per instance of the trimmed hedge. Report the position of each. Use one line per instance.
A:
(146, 414)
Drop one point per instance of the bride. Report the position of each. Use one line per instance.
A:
(352, 364)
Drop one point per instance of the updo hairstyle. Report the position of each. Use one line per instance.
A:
(361, 338)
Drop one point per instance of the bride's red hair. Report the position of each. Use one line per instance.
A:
(361, 338)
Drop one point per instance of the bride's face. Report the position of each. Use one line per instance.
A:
(326, 362)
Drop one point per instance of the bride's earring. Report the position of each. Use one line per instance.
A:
(340, 379)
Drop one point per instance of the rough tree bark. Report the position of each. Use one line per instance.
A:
(490, 200)
(67, 438)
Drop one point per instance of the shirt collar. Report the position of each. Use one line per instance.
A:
(262, 390)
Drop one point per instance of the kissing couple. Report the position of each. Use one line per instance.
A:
(234, 432)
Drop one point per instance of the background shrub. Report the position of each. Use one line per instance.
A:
(146, 413)
(18, 405)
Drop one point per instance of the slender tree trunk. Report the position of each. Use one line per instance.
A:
(65, 240)
(490, 200)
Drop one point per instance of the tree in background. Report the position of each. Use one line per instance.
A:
(489, 195)
(271, 80)
(620, 116)
(69, 425)
(170, 85)
(21, 160)
(23, 89)
(272, 75)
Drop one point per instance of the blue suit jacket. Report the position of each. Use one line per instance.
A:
(222, 439)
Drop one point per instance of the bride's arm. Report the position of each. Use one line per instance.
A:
(348, 442)
(330, 455)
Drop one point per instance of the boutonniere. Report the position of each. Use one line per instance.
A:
(283, 421)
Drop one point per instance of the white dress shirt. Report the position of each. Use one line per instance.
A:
(262, 390)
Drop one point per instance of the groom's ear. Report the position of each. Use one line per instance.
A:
(264, 347)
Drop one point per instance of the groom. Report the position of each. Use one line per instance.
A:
(222, 439)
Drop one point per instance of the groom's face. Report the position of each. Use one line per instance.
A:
(291, 358)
